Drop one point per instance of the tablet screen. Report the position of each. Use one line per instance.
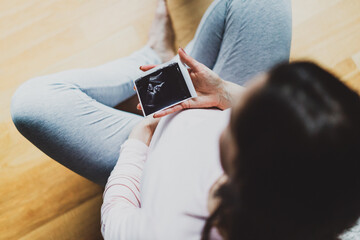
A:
(162, 88)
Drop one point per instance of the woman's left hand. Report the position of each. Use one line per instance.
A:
(144, 130)
(212, 91)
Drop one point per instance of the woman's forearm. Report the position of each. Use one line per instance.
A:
(121, 213)
(122, 194)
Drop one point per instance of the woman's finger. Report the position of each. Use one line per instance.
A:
(138, 106)
(147, 67)
(168, 111)
(198, 102)
(192, 63)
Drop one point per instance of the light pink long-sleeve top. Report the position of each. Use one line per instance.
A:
(156, 192)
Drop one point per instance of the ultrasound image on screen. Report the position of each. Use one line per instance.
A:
(162, 88)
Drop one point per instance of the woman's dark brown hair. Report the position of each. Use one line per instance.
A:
(298, 162)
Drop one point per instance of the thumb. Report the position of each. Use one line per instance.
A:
(188, 60)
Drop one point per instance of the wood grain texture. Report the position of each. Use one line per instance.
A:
(39, 198)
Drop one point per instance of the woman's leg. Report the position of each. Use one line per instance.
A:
(69, 115)
(206, 44)
(241, 38)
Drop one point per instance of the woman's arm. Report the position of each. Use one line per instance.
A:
(212, 91)
(121, 198)
(121, 215)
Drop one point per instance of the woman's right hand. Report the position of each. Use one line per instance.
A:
(212, 91)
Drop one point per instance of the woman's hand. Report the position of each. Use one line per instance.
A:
(212, 91)
(144, 130)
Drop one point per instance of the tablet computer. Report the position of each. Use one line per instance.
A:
(164, 86)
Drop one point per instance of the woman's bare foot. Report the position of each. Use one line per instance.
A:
(161, 35)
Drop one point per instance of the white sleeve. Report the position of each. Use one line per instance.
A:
(121, 213)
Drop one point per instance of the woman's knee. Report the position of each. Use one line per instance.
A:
(27, 103)
(261, 12)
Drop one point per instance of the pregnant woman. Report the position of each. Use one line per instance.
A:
(282, 164)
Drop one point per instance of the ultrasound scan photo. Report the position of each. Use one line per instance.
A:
(162, 88)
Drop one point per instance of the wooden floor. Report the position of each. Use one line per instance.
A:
(39, 198)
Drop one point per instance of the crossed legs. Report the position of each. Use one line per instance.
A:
(70, 115)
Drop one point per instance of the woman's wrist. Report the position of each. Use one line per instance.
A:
(144, 130)
(229, 93)
(224, 96)
(141, 132)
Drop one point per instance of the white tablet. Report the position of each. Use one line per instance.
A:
(164, 86)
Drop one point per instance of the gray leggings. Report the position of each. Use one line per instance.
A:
(70, 115)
